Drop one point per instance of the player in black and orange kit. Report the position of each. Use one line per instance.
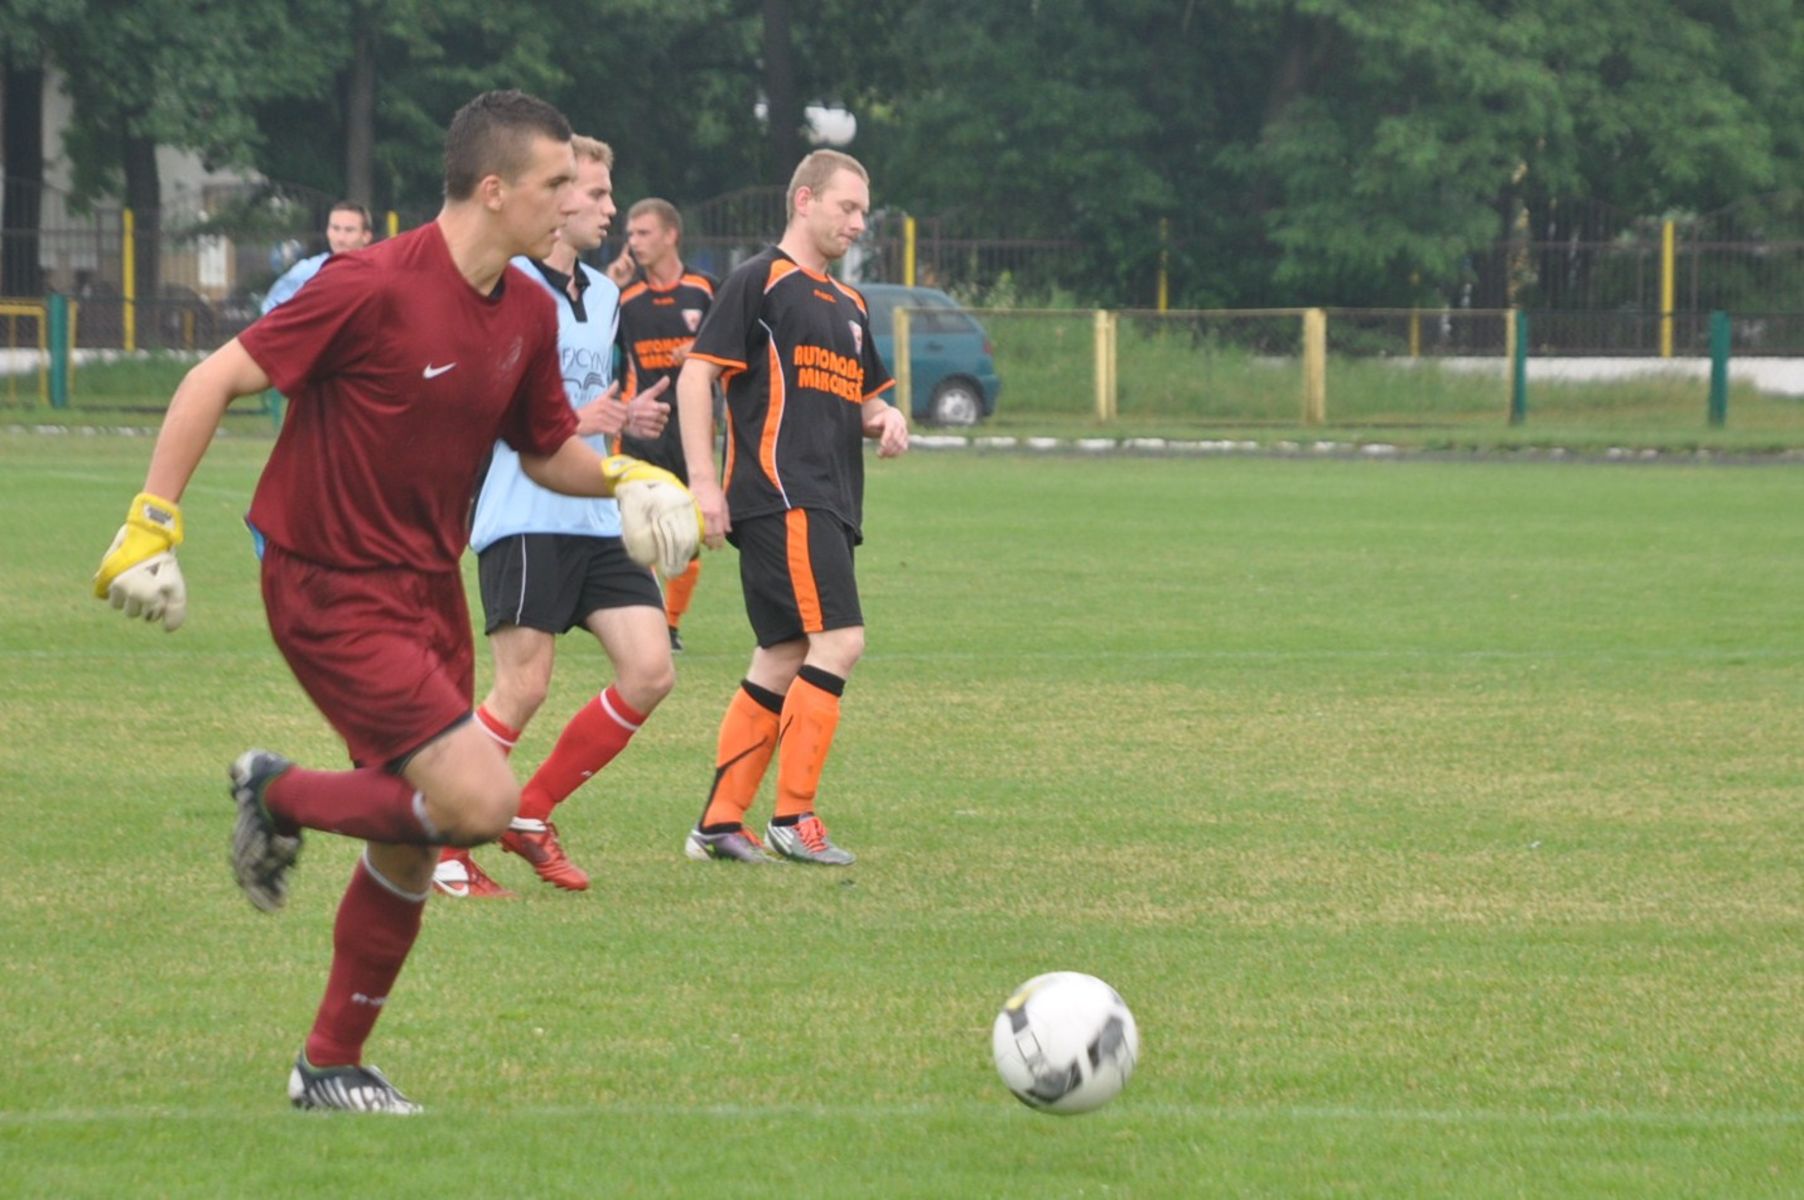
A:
(804, 388)
(662, 303)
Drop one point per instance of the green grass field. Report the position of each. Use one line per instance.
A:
(1439, 821)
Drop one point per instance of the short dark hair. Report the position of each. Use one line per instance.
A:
(664, 210)
(492, 135)
(351, 206)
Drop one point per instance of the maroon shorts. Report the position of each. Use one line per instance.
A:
(386, 654)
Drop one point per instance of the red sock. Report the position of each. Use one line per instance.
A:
(367, 804)
(375, 929)
(505, 735)
(599, 730)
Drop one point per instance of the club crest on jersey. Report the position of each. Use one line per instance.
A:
(857, 336)
(512, 356)
(692, 317)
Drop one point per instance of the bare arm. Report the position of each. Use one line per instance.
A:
(194, 414)
(573, 469)
(695, 413)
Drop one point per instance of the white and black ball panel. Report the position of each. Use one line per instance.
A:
(1065, 1042)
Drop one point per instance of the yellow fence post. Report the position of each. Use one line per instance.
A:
(1315, 366)
(1415, 333)
(1669, 286)
(1164, 264)
(1509, 356)
(38, 313)
(908, 251)
(394, 222)
(128, 283)
(905, 394)
(1105, 365)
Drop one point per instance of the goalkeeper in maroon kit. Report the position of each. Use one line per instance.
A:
(403, 365)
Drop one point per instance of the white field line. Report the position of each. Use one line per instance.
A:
(1125, 1114)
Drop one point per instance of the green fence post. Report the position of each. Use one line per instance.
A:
(1519, 372)
(1719, 369)
(58, 305)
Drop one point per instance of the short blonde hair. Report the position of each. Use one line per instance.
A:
(590, 149)
(818, 169)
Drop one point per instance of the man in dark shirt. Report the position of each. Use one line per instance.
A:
(804, 387)
(662, 304)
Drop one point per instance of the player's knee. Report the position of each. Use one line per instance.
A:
(645, 686)
(840, 650)
(482, 816)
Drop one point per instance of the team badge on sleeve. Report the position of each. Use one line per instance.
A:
(857, 336)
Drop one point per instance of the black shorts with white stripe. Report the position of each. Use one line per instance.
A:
(554, 581)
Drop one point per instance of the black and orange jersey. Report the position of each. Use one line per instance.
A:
(800, 362)
(657, 325)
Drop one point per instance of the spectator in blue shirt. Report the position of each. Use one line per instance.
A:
(347, 229)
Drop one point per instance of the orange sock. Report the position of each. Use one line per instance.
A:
(677, 591)
(810, 716)
(748, 737)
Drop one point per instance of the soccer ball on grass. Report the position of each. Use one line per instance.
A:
(1065, 1043)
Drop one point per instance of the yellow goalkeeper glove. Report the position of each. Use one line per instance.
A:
(659, 522)
(139, 573)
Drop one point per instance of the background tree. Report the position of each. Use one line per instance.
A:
(149, 73)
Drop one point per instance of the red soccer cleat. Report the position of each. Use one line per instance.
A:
(458, 877)
(536, 842)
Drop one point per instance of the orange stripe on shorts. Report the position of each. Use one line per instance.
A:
(801, 571)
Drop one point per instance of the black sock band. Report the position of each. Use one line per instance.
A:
(764, 696)
(824, 680)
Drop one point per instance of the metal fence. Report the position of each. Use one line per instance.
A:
(1596, 280)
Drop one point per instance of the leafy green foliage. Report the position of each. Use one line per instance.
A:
(1273, 151)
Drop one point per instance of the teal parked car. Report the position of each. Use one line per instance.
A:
(952, 365)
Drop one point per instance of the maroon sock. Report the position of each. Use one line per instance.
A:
(375, 929)
(367, 804)
(600, 730)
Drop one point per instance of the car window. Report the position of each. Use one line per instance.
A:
(883, 311)
(940, 315)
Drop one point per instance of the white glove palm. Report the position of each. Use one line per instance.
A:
(139, 573)
(658, 524)
(153, 590)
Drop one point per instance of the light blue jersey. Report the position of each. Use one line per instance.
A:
(284, 288)
(509, 502)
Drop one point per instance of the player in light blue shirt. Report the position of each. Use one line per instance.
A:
(347, 229)
(549, 563)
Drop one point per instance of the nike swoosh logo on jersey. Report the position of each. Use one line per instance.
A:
(432, 372)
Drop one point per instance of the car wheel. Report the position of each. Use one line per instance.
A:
(956, 402)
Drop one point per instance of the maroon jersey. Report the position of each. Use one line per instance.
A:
(400, 378)
(799, 361)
